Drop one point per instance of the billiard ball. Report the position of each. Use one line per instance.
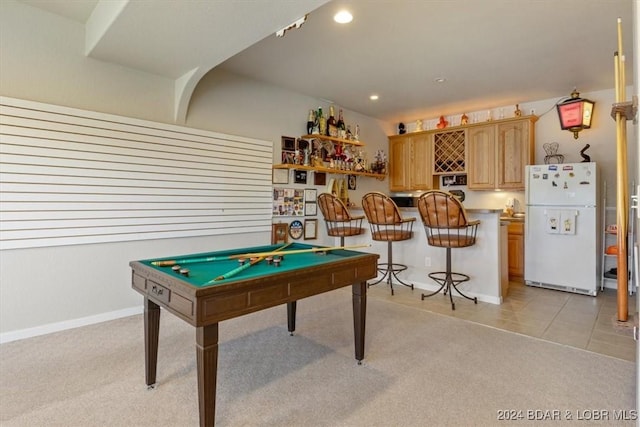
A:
(176, 268)
(184, 272)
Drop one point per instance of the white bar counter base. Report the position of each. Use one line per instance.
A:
(483, 262)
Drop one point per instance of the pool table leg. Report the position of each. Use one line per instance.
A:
(207, 361)
(359, 318)
(151, 330)
(291, 316)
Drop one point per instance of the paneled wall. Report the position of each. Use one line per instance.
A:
(69, 176)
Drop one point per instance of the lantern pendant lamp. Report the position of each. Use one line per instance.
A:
(575, 113)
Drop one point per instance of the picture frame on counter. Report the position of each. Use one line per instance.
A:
(310, 229)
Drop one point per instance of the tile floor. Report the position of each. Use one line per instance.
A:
(576, 320)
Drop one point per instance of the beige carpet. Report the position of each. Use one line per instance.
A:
(421, 369)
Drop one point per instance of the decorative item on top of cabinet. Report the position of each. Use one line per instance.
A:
(552, 157)
(498, 153)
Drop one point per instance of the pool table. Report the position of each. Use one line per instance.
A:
(202, 301)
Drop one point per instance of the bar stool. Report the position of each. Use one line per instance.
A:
(387, 225)
(446, 224)
(339, 222)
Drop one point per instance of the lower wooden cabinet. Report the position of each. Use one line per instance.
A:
(516, 251)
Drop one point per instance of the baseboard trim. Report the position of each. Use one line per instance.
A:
(21, 334)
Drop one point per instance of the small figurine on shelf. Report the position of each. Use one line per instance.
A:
(442, 123)
(517, 112)
(356, 136)
(419, 127)
(464, 119)
(401, 129)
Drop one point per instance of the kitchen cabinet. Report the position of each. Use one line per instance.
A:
(410, 162)
(497, 153)
(516, 250)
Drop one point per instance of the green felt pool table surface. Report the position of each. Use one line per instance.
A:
(202, 274)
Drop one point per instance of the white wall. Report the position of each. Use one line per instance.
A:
(42, 60)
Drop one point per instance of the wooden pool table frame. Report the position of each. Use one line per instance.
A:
(205, 307)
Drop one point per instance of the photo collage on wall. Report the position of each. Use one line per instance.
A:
(295, 202)
(288, 202)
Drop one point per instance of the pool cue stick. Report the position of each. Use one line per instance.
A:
(243, 267)
(297, 251)
(621, 182)
(170, 262)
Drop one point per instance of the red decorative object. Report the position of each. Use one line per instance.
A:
(442, 123)
(575, 113)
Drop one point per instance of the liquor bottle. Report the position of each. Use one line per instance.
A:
(311, 121)
(322, 122)
(332, 130)
(342, 129)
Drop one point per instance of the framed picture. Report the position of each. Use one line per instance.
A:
(288, 143)
(310, 229)
(279, 233)
(310, 195)
(310, 208)
(280, 176)
(319, 178)
(300, 177)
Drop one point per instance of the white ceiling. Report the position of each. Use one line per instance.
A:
(491, 52)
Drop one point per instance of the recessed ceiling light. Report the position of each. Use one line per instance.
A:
(439, 80)
(343, 17)
(373, 97)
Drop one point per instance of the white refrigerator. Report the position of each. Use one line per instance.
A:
(562, 226)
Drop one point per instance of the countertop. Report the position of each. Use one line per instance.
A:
(469, 210)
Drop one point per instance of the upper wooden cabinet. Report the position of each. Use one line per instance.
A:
(492, 154)
(410, 162)
(498, 152)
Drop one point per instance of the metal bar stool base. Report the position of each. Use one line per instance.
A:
(390, 272)
(446, 281)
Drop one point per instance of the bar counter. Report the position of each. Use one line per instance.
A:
(485, 262)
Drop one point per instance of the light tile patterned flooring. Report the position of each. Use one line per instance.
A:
(576, 320)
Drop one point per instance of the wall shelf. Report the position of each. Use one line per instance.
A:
(328, 170)
(334, 140)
